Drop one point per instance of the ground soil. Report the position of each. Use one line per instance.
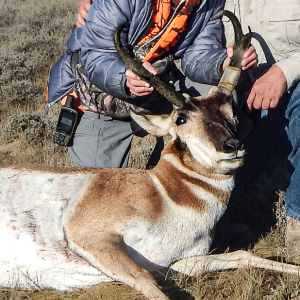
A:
(103, 291)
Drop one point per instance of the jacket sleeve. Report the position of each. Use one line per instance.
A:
(202, 60)
(291, 69)
(102, 63)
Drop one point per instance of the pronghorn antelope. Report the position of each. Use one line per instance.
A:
(73, 228)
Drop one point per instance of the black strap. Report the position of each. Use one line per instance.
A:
(74, 61)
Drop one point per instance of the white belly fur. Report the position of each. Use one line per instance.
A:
(33, 250)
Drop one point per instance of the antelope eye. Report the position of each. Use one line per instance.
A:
(209, 124)
(180, 121)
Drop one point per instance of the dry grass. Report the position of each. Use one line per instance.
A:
(33, 35)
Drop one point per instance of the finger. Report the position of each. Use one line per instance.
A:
(250, 51)
(138, 83)
(83, 12)
(86, 4)
(248, 64)
(250, 100)
(250, 56)
(139, 91)
(257, 103)
(150, 68)
(79, 21)
(134, 81)
(83, 9)
(274, 103)
(250, 61)
(266, 103)
(139, 86)
(230, 49)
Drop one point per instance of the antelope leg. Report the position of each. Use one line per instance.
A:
(238, 259)
(108, 256)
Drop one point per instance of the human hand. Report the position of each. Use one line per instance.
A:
(249, 61)
(137, 86)
(267, 90)
(83, 8)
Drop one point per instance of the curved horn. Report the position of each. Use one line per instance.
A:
(232, 73)
(161, 87)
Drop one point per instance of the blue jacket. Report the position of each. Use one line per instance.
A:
(200, 46)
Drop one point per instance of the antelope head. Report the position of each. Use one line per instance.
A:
(205, 126)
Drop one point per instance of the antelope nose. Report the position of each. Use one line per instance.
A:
(232, 145)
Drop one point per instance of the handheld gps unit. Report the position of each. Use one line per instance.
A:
(66, 124)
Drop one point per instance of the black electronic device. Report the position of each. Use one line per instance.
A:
(66, 124)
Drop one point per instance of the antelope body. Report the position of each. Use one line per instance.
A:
(73, 228)
(51, 217)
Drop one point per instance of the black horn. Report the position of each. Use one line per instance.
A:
(161, 87)
(242, 42)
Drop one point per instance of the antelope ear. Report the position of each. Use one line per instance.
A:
(158, 125)
(227, 112)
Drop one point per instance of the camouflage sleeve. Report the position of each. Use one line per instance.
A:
(95, 100)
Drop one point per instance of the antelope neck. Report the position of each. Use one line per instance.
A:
(188, 188)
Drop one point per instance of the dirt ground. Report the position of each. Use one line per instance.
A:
(108, 291)
(102, 291)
